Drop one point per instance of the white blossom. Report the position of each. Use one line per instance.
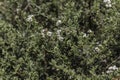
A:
(108, 3)
(57, 69)
(100, 45)
(109, 71)
(49, 33)
(17, 10)
(113, 67)
(70, 77)
(60, 38)
(84, 35)
(30, 18)
(58, 32)
(58, 22)
(43, 32)
(89, 31)
(23, 34)
(97, 49)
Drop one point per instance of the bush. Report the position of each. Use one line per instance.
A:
(59, 40)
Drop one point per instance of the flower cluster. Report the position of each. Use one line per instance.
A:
(43, 33)
(87, 34)
(111, 69)
(30, 18)
(108, 3)
(59, 36)
(49, 33)
(46, 32)
(97, 49)
(58, 22)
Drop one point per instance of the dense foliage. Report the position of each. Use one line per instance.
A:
(59, 39)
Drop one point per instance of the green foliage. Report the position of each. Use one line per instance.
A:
(59, 40)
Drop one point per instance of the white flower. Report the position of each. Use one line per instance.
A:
(57, 69)
(17, 10)
(89, 31)
(108, 3)
(60, 38)
(110, 68)
(58, 22)
(70, 77)
(109, 71)
(58, 32)
(84, 35)
(23, 34)
(97, 49)
(100, 45)
(49, 33)
(43, 30)
(113, 67)
(30, 18)
(43, 33)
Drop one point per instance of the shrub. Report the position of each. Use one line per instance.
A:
(59, 40)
